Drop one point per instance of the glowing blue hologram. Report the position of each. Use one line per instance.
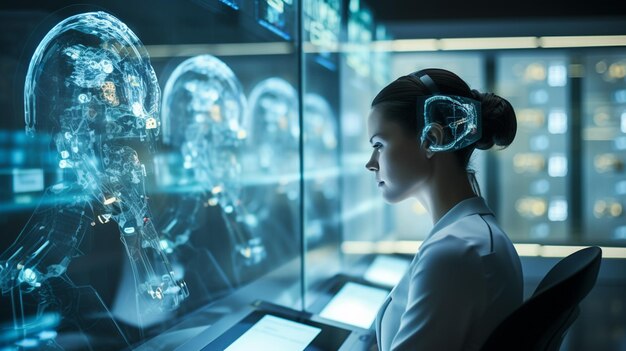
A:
(272, 161)
(321, 166)
(274, 142)
(456, 120)
(320, 138)
(274, 131)
(203, 117)
(90, 84)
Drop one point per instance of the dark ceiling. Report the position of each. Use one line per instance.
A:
(412, 10)
(431, 19)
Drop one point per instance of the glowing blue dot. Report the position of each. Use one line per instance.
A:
(47, 335)
(137, 109)
(28, 276)
(83, 98)
(106, 65)
(27, 343)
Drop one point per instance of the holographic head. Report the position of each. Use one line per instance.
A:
(274, 121)
(320, 128)
(91, 85)
(203, 113)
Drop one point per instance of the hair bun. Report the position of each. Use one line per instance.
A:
(477, 95)
(499, 124)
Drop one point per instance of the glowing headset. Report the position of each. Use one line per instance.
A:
(454, 119)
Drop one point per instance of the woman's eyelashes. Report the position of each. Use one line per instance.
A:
(377, 145)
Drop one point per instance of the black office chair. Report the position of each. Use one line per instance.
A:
(541, 322)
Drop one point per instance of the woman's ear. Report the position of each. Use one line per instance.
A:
(434, 136)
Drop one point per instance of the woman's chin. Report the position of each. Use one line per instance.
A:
(392, 198)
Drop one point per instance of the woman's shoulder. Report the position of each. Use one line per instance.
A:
(449, 252)
(465, 233)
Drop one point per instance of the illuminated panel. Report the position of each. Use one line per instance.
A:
(386, 270)
(27, 180)
(534, 171)
(234, 4)
(277, 16)
(381, 69)
(355, 304)
(604, 146)
(360, 35)
(322, 26)
(274, 333)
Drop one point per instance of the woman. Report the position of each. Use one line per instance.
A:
(467, 275)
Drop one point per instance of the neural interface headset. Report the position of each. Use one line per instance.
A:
(451, 122)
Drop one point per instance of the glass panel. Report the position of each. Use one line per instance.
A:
(160, 173)
(535, 169)
(320, 138)
(362, 211)
(604, 141)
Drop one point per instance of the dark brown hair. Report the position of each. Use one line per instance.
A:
(399, 99)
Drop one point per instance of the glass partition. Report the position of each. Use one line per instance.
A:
(151, 165)
(536, 167)
(163, 168)
(603, 129)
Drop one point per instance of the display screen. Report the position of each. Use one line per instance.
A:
(355, 304)
(386, 270)
(277, 333)
(262, 330)
(276, 15)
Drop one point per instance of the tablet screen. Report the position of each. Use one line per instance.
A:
(275, 333)
(355, 304)
(386, 270)
(264, 330)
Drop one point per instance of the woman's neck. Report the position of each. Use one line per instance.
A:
(447, 187)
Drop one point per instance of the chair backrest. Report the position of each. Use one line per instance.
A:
(541, 322)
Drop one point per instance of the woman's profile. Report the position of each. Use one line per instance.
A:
(467, 275)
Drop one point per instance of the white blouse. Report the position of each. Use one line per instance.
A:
(464, 280)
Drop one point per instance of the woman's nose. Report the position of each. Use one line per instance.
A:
(372, 164)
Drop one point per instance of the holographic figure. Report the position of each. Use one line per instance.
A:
(321, 162)
(274, 131)
(203, 117)
(91, 86)
(273, 157)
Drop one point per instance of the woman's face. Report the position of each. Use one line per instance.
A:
(398, 160)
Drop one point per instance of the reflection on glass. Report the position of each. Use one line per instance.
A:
(537, 199)
(557, 211)
(320, 166)
(528, 162)
(272, 161)
(606, 163)
(530, 118)
(603, 124)
(531, 207)
(557, 166)
(91, 86)
(203, 112)
(276, 16)
(557, 122)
